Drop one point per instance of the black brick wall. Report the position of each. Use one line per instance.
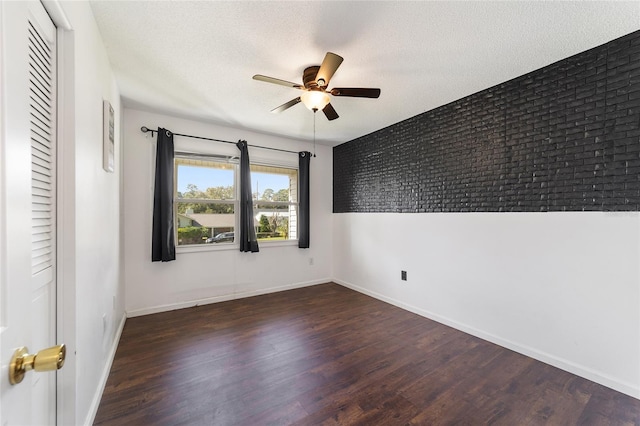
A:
(564, 137)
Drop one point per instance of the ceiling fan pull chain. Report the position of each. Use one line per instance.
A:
(314, 132)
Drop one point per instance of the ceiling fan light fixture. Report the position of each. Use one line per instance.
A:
(315, 80)
(314, 99)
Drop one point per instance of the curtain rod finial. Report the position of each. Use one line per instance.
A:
(145, 129)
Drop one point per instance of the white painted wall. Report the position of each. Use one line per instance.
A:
(219, 274)
(561, 287)
(91, 254)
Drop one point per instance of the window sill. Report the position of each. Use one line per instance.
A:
(226, 247)
(206, 247)
(280, 243)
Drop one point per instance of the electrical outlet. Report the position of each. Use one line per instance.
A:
(114, 303)
(311, 261)
(104, 324)
(403, 275)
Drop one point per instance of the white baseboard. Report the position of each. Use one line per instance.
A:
(222, 298)
(95, 402)
(563, 364)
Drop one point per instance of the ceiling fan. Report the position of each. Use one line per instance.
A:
(315, 81)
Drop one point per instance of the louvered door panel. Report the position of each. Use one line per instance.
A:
(28, 168)
(42, 100)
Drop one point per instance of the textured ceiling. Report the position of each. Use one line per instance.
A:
(196, 59)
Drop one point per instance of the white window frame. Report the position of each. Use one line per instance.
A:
(295, 203)
(235, 201)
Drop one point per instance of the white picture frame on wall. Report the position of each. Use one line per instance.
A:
(108, 137)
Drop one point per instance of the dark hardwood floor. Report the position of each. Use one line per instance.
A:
(329, 355)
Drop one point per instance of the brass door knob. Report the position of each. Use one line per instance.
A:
(45, 360)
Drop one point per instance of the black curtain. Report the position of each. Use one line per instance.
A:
(163, 246)
(304, 158)
(248, 240)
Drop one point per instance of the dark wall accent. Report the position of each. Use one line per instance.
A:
(564, 137)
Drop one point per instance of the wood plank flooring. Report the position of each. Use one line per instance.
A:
(326, 355)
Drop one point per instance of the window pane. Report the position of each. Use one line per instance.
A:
(200, 179)
(215, 226)
(272, 223)
(274, 183)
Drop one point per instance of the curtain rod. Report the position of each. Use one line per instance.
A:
(145, 129)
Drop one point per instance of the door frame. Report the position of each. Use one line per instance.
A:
(65, 225)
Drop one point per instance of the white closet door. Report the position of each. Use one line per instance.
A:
(27, 206)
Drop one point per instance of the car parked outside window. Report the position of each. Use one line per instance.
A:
(221, 238)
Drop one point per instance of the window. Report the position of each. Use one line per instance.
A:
(207, 194)
(275, 202)
(205, 201)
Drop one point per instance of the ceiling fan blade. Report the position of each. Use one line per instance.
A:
(330, 112)
(276, 81)
(287, 105)
(329, 66)
(356, 92)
